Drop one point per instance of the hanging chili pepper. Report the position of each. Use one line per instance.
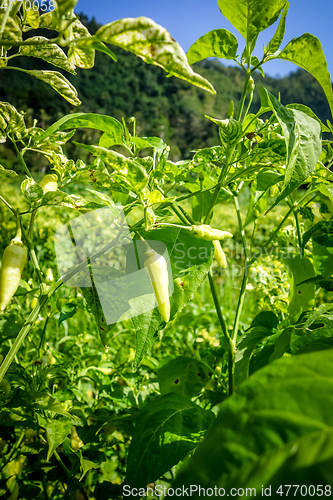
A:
(205, 232)
(13, 261)
(156, 266)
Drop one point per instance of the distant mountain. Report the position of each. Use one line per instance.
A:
(166, 107)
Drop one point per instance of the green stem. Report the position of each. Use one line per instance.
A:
(178, 213)
(21, 158)
(299, 236)
(218, 187)
(242, 101)
(230, 343)
(245, 274)
(28, 240)
(7, 204)
(69, 475)
(248, 106)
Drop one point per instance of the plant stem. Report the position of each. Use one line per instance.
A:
(178, 213)
(245, 274)
(19, 154)
(218, 187)
(7, 204)
(242, 101)
(230, 343)
(298, 234)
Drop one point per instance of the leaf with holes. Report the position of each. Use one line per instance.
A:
(183, 375)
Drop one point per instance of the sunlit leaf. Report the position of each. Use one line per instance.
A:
(154, 45)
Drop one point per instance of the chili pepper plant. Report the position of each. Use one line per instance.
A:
(101, 395)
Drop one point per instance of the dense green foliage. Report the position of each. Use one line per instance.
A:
(172, 326)
(167, 107)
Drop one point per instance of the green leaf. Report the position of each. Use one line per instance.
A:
(309, 112)
(11, 121)
(321, 282)
(87, 465)
(277, 39)
(56, 433)
(301, 295)
(58, 82)
(31, 190)
(64, 6)
(50, 53)
(302, 135)
(93, 43)
(12, 31)
(88, 120)
(183, 375)
(306, 51)
(81, 54)
(230, 130)
(128, 172)
(167, 429)
(31, 16)
(245, 350)
(217, 43)
(7, 173)
(266, 428)
(321, 233)
(67, 311)
(251, 17)
(154, 45)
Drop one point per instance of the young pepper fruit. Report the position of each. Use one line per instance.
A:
(219, 255)
(49, 183)
(156, 267)
(13, 261)
(205, 232)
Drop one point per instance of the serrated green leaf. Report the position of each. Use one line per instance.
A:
(306, 51)
(166, 430)
(50, 53)
(217, 43)
(251, 17)
(154, 45)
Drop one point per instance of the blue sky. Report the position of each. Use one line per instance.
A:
(187, 20)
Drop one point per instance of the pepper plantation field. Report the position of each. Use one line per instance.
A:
(166, 325)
